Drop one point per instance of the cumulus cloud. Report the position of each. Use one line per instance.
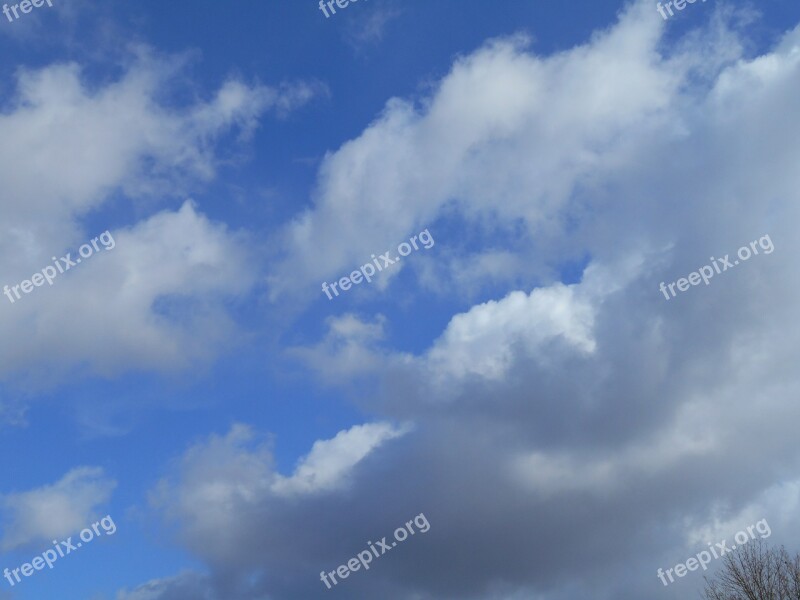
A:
(593, 426)
(507, 136)
(330, 461)
(82, 142)
(482, 343)
(227, 481)
(482, 340)
(54, 511)
(154, 301)
(158, 300)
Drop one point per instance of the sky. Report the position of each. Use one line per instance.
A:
(453, 266)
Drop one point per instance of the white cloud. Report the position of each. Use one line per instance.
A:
(70, 147)
(349, 348)
(506, 136)
(216, 478)
(155, 301)
(55, 511)
(482, 341)
(327, 465)
(81, 143)
(486, 341)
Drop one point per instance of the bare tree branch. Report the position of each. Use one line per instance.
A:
(756, 572)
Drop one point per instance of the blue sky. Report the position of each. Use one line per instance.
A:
(245, 432)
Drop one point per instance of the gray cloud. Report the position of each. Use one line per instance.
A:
(583, 438)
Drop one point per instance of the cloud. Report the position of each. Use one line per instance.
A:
(482, 340)
(349, 348)
(79, 150)
(180, 587)
(570, 437)
(155, 301)
(506, 138)
(369, 26)
(330, 461)
(158, 300)
(54, 511)
(224, 482)
(482, 343)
